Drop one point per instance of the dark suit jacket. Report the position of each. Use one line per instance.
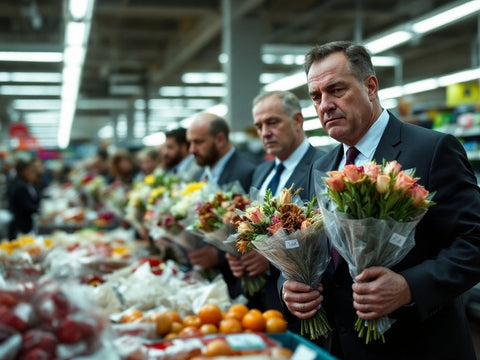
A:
(240, 168)
(22, 203)
(299, 177)
(444, 263)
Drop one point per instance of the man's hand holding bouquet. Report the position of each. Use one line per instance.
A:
(370, 213)
(291, 236)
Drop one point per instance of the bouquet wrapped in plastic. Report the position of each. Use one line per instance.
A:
(370, 214)
(292, 237)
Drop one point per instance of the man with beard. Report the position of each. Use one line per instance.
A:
(176, 158)
(209, 143)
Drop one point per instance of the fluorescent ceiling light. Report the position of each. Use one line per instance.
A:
(204, 77)
(287, 83)
(420, 86)
(322, 141)
(44, 77)
(33, 90)
(446, 17)
(385, 61)
(34, 104)
(75, 33)
(267, 78)
(388, 41)
(154, 139)
(74, 55)
(32, 56)
(105, 132)
(391, 92)
(389, 103)
(459, 77)
(192, 91)
(311, 124)
(79, 8)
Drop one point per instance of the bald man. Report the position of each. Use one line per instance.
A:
(209, 143)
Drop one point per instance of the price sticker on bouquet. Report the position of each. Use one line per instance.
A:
(397, 239)
(291, 244)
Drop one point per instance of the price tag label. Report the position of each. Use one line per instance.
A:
(302, 352)
(245, 341)
(291, 244)
(398, 240)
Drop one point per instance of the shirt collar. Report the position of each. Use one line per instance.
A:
(296, 156)
(369, 142)
(215, 172)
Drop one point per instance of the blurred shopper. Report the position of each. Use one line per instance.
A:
(209, 143)
(23, 199)
(122, 166)
(148, 160)
(176, 158)
(278, 118)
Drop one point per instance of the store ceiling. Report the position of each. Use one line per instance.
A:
(147, 44)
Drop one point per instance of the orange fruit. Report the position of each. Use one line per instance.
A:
(175, 315)
(218, 347)
(230, 326)
(281, 352)
(132, 315)
(275, 325)
(238, 308)
(171, 335)
(163, 321)
(254, 320)
(272, 313)
(192, 320)
(208, 329)
(210, 314)
(189, 331)
(176, 327)
(233, 315)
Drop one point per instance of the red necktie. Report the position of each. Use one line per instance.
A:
(351, 154)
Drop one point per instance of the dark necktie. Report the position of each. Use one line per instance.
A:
(273, 185)
(351, 154)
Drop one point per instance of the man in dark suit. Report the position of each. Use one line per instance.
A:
(424, 291)
(208, 136)
(278, 118)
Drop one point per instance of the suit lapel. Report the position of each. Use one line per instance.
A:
(388, 148)
(262, 175)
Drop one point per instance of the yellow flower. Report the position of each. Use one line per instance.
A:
(149, 180)
(192, 187)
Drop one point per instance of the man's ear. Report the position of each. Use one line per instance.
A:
(220, 139)
(371, 83)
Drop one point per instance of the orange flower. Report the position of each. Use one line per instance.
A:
(392, 167)
(383, 183)
(404, 182)
(371, 170)
(352, 173)
(335, 181)
(419, 195)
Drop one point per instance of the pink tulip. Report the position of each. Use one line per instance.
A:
(335, 181)
(392, 167)
(257, 215)
(419, 195)
(383, 183)
(353, 173)
(275, 227)
(404, 182)
(371, 170)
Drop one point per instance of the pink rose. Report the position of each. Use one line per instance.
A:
(419, 195)
(335, 181)
(276, 225)
(383, 183)
(371, 170)
(392, 167)
(404, 182)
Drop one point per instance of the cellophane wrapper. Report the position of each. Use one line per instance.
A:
(301, 256)
(364, 243)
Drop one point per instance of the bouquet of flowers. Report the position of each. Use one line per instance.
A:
(291, 236)
(168, 219)
(370, 213)
(145, 194)
(212, 220)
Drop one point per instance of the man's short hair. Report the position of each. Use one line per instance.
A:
(179, 134)
(219, 126)
(290, 102)
(358, 57)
